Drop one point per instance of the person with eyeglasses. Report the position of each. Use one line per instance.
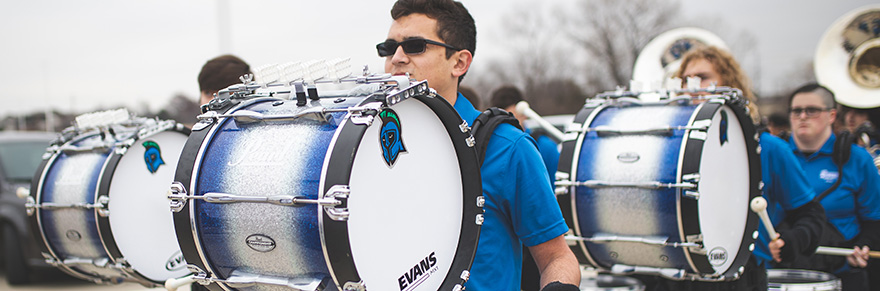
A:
(785, 185)
(853, 207)
(435, 40)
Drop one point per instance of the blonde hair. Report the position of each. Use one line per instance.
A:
(728, 69)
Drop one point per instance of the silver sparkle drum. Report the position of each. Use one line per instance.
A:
(374, 191)
(661, 187)
(99, 209)
(801, 280)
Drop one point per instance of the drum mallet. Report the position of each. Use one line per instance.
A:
(523, 108)
(173, 284)
(759, 206)
(843, 252)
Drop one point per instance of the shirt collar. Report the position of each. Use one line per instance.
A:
(465, 109)
(827, 148)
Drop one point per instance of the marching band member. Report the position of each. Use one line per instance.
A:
(436, 40)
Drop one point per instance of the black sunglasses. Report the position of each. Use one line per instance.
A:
(810, 111)
(412, 46)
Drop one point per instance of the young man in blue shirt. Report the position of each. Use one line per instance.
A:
(435, 41)
(853, 207)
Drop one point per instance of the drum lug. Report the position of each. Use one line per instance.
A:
(177, 195)
(698, 135)
(367, 114)
(692, 194)
(337, 192)
(693, 178)
(101, 207)
(30, 206)
(464, 127)
(471, 142)
(354, 286)
(481, 201)
(465, 275)
(479, 220)
(696, 239)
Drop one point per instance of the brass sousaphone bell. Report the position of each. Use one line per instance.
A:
(848, 58)
(660, 58)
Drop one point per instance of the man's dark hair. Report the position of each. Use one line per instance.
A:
(220, 72)
(455, 26)
(506, 96)
(823, 92)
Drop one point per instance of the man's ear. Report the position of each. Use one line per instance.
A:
(463, 59)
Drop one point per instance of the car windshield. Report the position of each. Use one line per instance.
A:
(20, 160)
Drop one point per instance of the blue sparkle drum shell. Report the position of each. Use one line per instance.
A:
(702, 161)
(411, 224)
(129, 236)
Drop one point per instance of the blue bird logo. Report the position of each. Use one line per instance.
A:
(152, 156)
(390, 137)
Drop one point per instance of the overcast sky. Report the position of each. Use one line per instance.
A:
(79, 55)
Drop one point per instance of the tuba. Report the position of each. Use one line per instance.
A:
(661, 57)
(847, 61)
(848, 58)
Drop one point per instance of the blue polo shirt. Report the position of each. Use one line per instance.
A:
(858, 195)
(520, 205)
(785, 187)
(549, 153)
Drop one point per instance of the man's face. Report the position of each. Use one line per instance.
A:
(431, 65)
(705, 70)
(810, 127)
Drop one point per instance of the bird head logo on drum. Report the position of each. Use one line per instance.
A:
(391, 137)
(152, 156)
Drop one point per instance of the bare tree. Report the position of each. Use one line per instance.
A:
(612, 33)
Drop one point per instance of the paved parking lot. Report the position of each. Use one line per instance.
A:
(58, 281)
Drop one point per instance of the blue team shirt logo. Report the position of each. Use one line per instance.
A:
(152, 156)
(390, 137)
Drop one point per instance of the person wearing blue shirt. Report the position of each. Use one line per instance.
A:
(786, 189)
(506, 98)
(434, 40)
(853, 207)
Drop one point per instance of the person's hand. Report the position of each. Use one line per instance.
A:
(776, 248)
(859, 257)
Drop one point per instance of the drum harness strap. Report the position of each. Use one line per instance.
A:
(485, 125)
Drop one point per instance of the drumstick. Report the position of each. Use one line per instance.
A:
(843, 252)
(759, 206)
(173, 284)
(523, 108)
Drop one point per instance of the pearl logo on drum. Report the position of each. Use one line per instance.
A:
(391, 137)
(152, 156)
(260, 243)
(718, 256)
(628, 157)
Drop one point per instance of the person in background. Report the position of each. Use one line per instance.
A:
(778, 125)
(471, 96)
(506, 98)
(785, 185)
(853, 205)
(435, 40)
(218, 73)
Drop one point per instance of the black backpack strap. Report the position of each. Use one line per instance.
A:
(840, 155)
(485, 125)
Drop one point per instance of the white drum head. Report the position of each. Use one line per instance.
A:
(404, 230)
(140, 219)
(724, 191)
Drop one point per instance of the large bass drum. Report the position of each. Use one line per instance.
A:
(662, 187)
(373, 192)
(98, 205)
